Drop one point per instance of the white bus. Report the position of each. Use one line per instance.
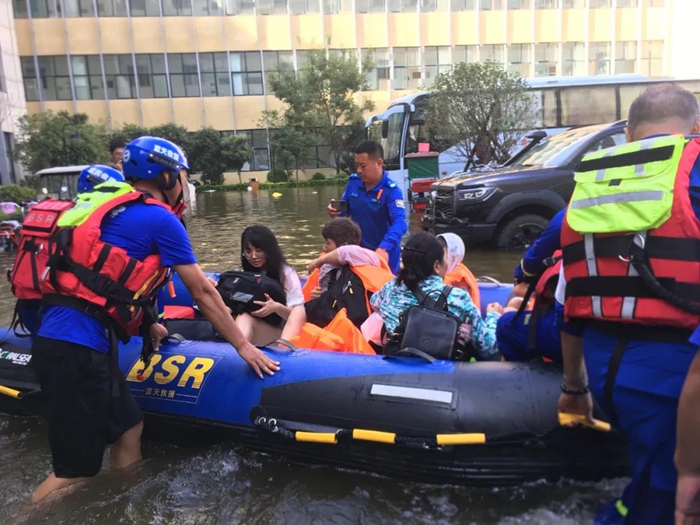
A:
(563, 102)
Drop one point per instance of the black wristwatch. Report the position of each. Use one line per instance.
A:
(575, 391)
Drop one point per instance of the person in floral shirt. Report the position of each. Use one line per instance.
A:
(424, 266)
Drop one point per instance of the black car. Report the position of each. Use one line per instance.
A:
(511, 205)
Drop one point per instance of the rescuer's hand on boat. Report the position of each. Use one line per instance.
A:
(576, 404)
(158, 333)
(258, 361)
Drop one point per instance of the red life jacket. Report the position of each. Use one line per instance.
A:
(35, 246)
(602, 284)
(546, 284)
(78, 270)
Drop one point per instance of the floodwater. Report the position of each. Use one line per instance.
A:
(227, 484)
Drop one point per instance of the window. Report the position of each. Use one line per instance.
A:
(3, 80)
(518, 4)
(652, 58)
(546, 60)
(462, 5)
(55, 80)
(31, 82)
(20, 8)
(10, 154)
(599, 58)
(239, 7)
(319, 154)
(144, 7)
(616, 139)
(574, 63)
(272, 7)
(654, 3)
(257, 140)
(207, 8)
(429, 6)
(406, 73)
(303, 7)
(177, 8)
(111, 7)
(153, 81)
(276, 62)
(76, 8)
(600, 3)
(43, 8)
(491, 53)
(370, 6)
(519, 59)
(333, 7)
(437, 61)
(463, 54)
(546, 4)
(625, 57)
(216, 81)
(246, 73)
(626, 3)
(489, 5)
(87, 77)
(182, 68)
(403, 6)
(572, 4)
(589, 105)
(119, 73)
(378, 76)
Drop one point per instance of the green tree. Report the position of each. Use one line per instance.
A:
(290, 145)
(235, 152)
(205, 155)
(322, 97)
(50, 139)
(481, 109)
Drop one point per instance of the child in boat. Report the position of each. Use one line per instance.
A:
(260, 252)
(424, 267)
(341, 238)
(458, 275)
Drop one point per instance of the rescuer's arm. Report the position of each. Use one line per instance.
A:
(212, 306)
(688, 449)
(398, 225)
(549, 241)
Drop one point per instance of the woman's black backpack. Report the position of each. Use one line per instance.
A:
(344, 291)
(428, 327)
(239, 289)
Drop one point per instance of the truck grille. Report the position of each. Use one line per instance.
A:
(444, 204)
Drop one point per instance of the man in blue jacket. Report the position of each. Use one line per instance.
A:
(376, 204)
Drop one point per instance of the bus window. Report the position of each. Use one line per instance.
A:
(550, 115)
(627, 96)
(392, 143)
(586, 105)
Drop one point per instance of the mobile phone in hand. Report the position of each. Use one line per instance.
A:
(339, 205)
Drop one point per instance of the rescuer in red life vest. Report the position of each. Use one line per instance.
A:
(133, 235)
(631, 282)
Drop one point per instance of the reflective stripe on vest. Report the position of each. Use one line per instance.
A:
(626, 188)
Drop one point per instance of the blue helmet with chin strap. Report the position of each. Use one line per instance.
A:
(148, 157)
(97, 174)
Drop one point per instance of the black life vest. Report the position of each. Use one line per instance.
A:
(240, 289)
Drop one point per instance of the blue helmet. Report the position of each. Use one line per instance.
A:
(148, 157)
(97, 174)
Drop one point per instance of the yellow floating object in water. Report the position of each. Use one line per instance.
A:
(276, 195)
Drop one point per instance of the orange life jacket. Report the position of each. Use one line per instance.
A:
(462, 277)
(340, 335)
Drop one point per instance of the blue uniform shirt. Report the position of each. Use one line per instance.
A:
(142, 230)
(532, 264)
(381, 214)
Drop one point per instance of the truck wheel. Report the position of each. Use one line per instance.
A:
(519, 233)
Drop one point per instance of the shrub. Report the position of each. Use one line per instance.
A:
(18, 194)
(277, 176)
(318, 176)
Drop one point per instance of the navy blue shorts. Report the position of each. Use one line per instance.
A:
(89, 404)
(513, 336)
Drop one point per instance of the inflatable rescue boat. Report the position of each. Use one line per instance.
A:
(436, 422)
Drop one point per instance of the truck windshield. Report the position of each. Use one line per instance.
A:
(555, 151)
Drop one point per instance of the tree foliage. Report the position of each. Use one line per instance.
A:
(211, 155)
(322, 97)
(40, 142)
(481, 109)
(290, 145)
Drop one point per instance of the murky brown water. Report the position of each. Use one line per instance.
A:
(228, 484)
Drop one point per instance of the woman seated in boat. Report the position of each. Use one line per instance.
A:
(458, 275)
(261, 254)
(344, 276)
(423, 268)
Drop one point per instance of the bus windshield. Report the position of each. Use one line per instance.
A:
(555, 151)
(392, 143)
(58, 186)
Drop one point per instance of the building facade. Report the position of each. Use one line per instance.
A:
(12, 105)
(204, 62)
